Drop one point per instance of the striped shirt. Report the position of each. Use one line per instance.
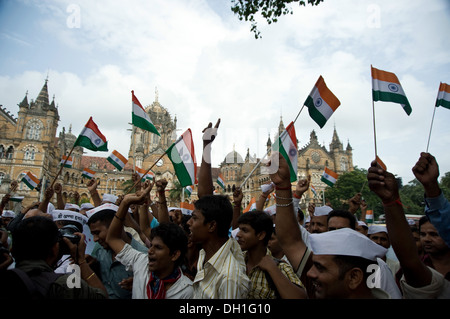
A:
(223, 276)
(262, 286)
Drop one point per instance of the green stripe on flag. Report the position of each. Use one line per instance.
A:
(392, 97)
(180, 169)
(291, 169)
(117, 165)
(28, 184)
(314, 113)
(143, 124)
(86, 142)
(443, 103)
(326, 181)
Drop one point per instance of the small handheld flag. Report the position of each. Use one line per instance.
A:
(321, 102)
(67, 161)
(91, 138)
(30, 180)
(287, 146)
(329, 177)
(88, 173)
(117, 159)
(221, 181)
(387, 88)
(182, 155)
(139, 117)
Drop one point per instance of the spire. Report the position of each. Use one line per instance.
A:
(43, 95)
(24, 102)
(156, 94)
(335, 142)
(281, 126)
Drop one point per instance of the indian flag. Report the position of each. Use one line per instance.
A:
(139, 117)
(143, 174)
(287, 146)
(91, 138)
(251, 206)
(221, 181)
(369, 216)
(182, 155)
(30, 180)
(386, 87)
(443, 97)
(188, 191)
(117, 159)
(88, 173)
(313, 189)
(67, 161)
(321, 102)
(186, 208)
(329, 177)
(16, 199)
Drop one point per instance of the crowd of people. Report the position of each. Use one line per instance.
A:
(133, 246)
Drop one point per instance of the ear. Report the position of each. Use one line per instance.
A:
(175, 255)
(261, 235)
(212, 226)
(354, 276)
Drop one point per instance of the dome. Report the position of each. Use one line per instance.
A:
(233, 158)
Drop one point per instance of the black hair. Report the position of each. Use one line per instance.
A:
(78, 225)
(173, 236)
(105, 216)
(33, 238)
(259, 221)
(217, 208)
(424, 219)
(300, 214)
(344, 214)
(345, 263)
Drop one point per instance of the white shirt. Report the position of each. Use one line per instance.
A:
(223, 276)
(138, 262)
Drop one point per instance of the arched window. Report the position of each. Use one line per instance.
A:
(344, 165)
(2, 151)
(2, 176)
(34, 128)
(29, 154)
(10, 152)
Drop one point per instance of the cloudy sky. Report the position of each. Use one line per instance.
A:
(206, 64)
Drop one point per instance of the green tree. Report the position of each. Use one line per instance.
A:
(348, 185)
(445, 184)
(271, 10)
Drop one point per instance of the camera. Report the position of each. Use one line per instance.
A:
(68, 232)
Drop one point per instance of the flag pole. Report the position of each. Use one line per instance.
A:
(373, 116)
(429, 135)
(133, 132)
(374, 129)
(60, 169)
(299, 113)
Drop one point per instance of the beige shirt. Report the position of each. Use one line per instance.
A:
(223, 276)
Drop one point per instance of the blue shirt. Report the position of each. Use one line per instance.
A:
(438, 211)
(113, 272)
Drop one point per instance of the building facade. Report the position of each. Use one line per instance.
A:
(29, 143)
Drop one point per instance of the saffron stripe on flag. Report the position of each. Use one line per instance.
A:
(443, 98)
